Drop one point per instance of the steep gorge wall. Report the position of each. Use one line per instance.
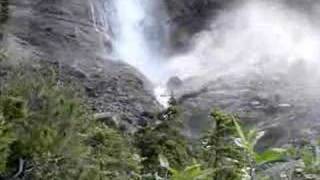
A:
(279, 99)
(57, 30)
(68, 35)
(188, 17)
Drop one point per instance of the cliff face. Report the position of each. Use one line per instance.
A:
(281, 104)
(188, 17)
(67, 34)
(59, 30)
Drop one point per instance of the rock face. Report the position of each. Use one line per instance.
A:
(59, 30)
(187, 17)
(116, 93)
(284, 106)
(67, 34)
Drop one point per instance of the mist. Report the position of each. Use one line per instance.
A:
(253, 37)
(139, 32)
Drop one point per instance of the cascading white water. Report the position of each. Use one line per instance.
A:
(255, 36)
(138, 39)
(130, 42)
(251, 36)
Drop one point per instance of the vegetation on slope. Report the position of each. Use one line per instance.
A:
(47, 132)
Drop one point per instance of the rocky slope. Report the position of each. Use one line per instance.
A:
(67, 35)
(282, 105)
(188, 17)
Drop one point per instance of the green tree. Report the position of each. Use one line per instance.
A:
(219, 151)
(48, 122)
(6, 138)
(112, 154)
(247, 141)
(47, 132)
(163, 138)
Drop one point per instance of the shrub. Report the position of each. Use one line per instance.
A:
(48, 122)
(219, 151)
(114, 156)
(47, 132)
(164, 138)
(6, 138)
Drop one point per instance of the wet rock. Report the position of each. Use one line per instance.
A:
(188, 17)
(109, 119)
(67, 36)
(284, 111)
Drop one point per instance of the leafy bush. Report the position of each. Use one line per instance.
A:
(6, 138)
(219, 150)
(48, 122)
(309, 154)
(193, 172)
(48, 133)
(115, 158)
(247, 141)
(164, 138)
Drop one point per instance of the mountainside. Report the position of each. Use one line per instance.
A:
(271, 90)
(68, 35)
(173, 89)
(190, 17)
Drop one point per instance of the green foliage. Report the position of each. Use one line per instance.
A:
(270, 155)
(248, 141)
(309, 159)
(310, 156)
(47, 127)
(13, 108)
(164, 138)
(113, 155)
(6, 138)
(193, 172)
(48, 122)
(46, 132)
(219, 149)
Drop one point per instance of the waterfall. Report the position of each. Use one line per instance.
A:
(249, 38)
(139, 30)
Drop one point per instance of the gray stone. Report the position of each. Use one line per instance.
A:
(67, 35)
(284, 111)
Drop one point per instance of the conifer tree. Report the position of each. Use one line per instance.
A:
(164, 138)
(46, 132)
(219, 151)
